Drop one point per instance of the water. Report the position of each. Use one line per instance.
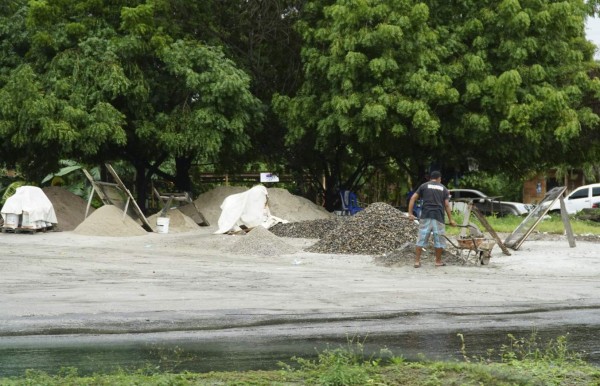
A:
(186, 351)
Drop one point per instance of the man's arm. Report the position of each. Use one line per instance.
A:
(449, 212)
(411, 205)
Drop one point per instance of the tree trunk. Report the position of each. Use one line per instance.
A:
(331, 193)
(183, 182)
(141, 187)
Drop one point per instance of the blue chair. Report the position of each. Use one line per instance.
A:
(350, 204)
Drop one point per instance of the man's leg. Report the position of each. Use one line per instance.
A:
(438, 256)
(439, 242)
(418, 256)
(424, 230)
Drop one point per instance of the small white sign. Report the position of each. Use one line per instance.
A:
(268, 177)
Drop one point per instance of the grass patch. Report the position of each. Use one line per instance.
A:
(521, 361)
(550, 224)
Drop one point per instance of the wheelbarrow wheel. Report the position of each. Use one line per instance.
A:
(484, 258)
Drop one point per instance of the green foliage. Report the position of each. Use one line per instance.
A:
(122, 80)
(10, 190)
(510, 189)
(552, 224)
(71, 177)
(522, 362)
(341, 366)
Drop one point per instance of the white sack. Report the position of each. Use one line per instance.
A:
(32, 200)
(248, 208)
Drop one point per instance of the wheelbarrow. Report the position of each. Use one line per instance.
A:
(479, 246)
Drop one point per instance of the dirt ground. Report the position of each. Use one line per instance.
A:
(63, 283)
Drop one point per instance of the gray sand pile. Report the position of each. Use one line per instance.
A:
(282, 204)
(178, 222)
(69, 207)
(377, 230)
(108, 220)
(293, 208)
(209, 203)
(260, 242)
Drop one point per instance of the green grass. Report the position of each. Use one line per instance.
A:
(550, 224)
(521, 361)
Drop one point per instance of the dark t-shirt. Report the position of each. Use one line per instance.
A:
(433, 195)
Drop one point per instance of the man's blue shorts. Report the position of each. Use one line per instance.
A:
(429, 226)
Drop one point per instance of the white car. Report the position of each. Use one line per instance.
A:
(584, 197)
(486, 205)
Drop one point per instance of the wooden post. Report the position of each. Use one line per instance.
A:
(491, 230)
(564, 215)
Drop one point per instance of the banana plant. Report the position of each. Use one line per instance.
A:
(11, 189)
(71, 178)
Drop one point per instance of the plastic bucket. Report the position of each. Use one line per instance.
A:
(12, 220)
(162, 224)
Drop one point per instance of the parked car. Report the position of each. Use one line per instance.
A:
(486, 205)
(583, 197)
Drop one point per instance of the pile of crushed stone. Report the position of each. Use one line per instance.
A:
(405, 255)
(108, 220)
(69, 207)
(309, 229)
(260, 242)
(376, 230)
(178, 222)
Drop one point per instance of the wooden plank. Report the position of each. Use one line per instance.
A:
(520, 234)
(565, 219)
(136, 208)
(195, 214)
(466, 218)
(99, 191)
(491, 230)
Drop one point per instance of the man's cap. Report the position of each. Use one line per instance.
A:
(435, 175)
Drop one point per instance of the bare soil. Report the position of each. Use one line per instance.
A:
(63, 282)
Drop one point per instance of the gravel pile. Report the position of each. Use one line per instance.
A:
(260, 242)
(405, 255)
(310, 229)
(377, 230)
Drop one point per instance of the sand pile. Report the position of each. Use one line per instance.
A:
(108, 220)
(282, 203)
(209, 203)
(293, 208)
(69, 207)
(260, 242)
(178, 222)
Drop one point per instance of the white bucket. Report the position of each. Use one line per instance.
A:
(27, 223)
(12, 220)
(162, 224)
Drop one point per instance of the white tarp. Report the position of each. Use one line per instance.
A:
(249, 208)
(33, 201)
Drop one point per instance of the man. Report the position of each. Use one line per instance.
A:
(435, 198)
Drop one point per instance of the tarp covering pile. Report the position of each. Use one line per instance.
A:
(249, 208)
(31, 200)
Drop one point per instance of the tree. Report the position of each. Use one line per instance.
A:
(47, 113)
(371, 88)
(522, 70)
(134, 75)
(439, 82)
